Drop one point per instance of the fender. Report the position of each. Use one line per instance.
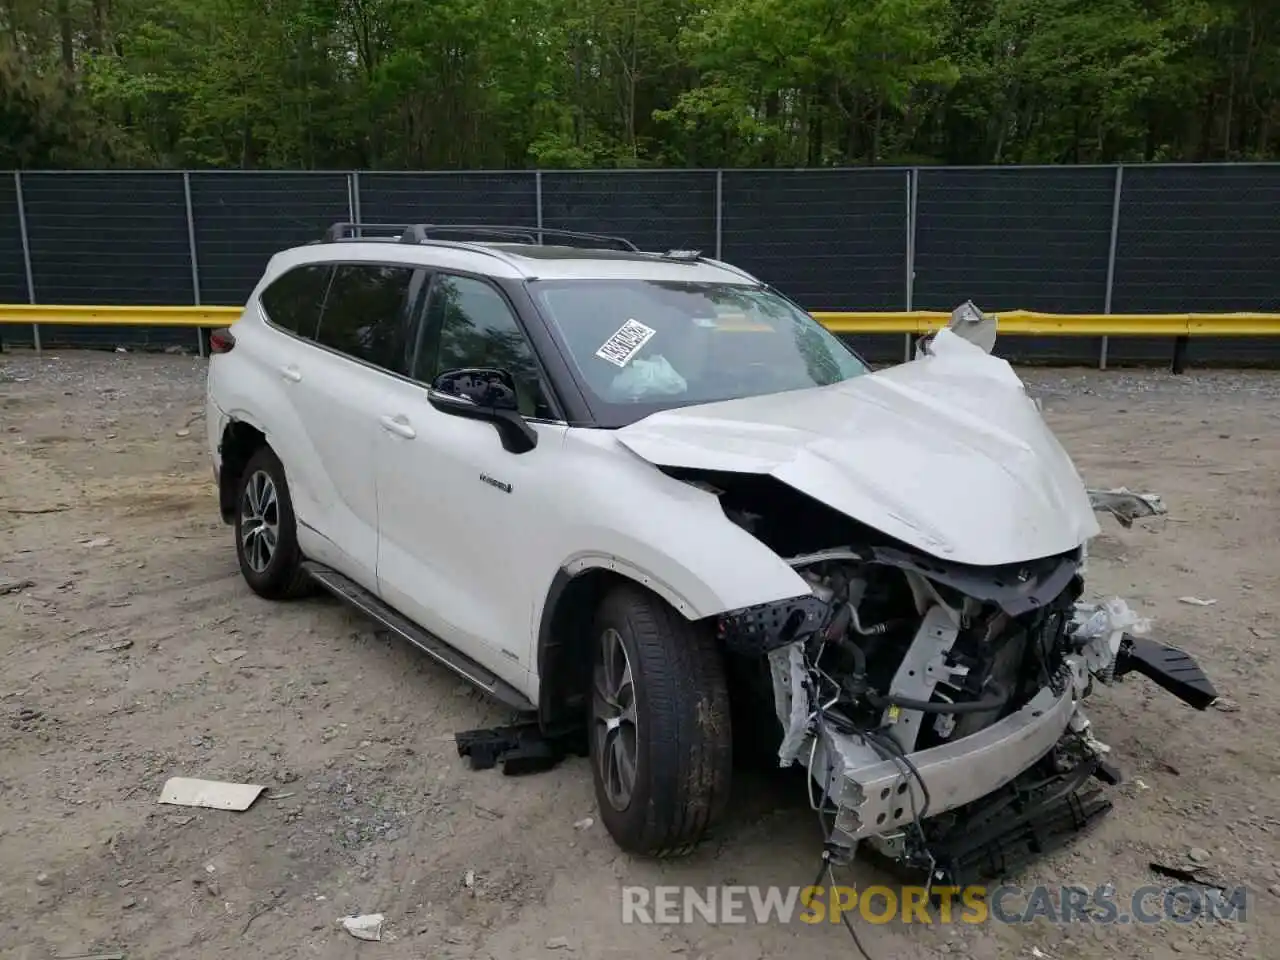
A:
(606, 561)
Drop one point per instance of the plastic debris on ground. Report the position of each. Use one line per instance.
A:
(367, 926)
(190, 792)
(1127, 506)
(1103, 627)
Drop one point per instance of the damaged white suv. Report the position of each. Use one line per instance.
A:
(646, 499)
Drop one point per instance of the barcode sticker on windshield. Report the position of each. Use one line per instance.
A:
(626, 343)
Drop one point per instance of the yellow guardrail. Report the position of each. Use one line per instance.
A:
(1016, 322)
(76, 316)
(1028, 323)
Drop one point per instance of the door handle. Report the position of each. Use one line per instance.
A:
(292, 374)
(399, 426)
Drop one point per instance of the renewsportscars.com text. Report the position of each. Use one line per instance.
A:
(1069, 904)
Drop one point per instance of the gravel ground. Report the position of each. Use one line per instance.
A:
(136, 654)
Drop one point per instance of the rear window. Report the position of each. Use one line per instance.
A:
(292, 301)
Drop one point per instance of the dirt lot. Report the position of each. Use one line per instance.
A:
(117, 671)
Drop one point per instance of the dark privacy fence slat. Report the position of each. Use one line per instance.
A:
(1008, 238)
(1200, 240)
(1190, 238)
(13, 275)
(241, 219)
(493, 198)
(830, 239)
(107, 238)
(658, 210)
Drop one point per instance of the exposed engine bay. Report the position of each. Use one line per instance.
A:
(938, 708)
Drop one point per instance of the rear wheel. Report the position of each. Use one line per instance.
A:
(661, 741)
(266, 533)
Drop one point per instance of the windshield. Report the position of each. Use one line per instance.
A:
(638, 346)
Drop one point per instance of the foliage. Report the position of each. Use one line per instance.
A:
(451, 84)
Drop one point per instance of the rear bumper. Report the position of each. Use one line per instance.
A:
(874, 796)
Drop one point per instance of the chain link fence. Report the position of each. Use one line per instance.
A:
(1137, 239)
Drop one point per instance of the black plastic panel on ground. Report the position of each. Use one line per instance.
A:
(655, 210)
(488, 198)
(829, 239)
(242, 219)
(108, 238)
(1202, 239)
(1016, 239)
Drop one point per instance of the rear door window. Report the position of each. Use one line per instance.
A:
(293, 300)
(367, 314)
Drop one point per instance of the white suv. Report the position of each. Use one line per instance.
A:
(645, 496)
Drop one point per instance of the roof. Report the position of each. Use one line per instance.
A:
(517, 261)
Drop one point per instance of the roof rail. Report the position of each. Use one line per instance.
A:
(358, 231)
(418, 232)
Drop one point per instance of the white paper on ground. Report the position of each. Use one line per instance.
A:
(189, 792)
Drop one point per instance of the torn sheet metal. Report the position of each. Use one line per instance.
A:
(1127, 506)
(968, 323)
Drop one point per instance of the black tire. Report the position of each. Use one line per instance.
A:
(682, 731)
(757, 735)
(282, 576)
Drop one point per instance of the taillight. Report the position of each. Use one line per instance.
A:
(221, 341)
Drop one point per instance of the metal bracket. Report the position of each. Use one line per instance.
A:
(922, 669)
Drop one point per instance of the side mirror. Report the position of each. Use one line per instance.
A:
(482, 393)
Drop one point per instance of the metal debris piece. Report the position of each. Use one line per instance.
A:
(1196, 601)
(1127, 506)
(968, 323)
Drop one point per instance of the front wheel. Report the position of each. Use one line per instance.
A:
(661, 741)
(266, 533)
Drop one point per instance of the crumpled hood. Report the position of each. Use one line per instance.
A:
(946, 453)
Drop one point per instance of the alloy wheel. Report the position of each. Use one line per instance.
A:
(614, 720)
(260, 521)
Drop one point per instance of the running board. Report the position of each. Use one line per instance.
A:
(352, 593)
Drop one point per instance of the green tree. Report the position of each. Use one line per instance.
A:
(590, 83)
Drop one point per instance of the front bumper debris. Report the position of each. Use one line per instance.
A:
(1167, 667)
(982, 802)
(874, 797)
(992, 837)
